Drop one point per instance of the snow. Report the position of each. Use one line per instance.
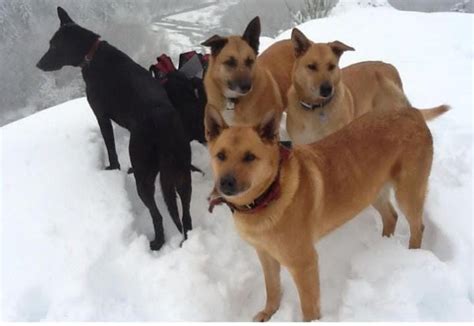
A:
(75, 237)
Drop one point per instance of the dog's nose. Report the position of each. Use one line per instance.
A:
(228, 185)
(245, 86)
(325, 89)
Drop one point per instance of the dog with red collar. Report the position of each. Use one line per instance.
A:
(284, 200)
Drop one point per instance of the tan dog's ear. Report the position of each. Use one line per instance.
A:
(339, 48)
(268, 127)
(252, 34)
(216, 43)
(300, 42)
(214, 123)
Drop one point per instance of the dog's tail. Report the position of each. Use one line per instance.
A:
(401, 100)
(433, 113)
(175, 168)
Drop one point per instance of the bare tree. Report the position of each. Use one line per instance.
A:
(311, 9)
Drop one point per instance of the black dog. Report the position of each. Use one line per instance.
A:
(122, 91)
(188, 97)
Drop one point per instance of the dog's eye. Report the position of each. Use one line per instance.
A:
(221, 156)
(231, 62)
(249, 62)
(249, 157)
(312, 66)
(331, 66)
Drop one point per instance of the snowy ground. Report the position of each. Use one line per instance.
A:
(75, 237)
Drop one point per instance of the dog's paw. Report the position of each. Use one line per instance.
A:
(112, 167)
(156, 244)
(262, 316)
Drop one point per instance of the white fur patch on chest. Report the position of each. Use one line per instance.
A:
(229, 116)
(308, 135)
(313, 129)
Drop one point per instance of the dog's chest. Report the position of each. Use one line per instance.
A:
(229, 116)
(315, 126)
(229, 112)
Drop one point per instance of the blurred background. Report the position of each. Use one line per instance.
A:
(143, 29)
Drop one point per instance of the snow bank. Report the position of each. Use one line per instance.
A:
(75, 237)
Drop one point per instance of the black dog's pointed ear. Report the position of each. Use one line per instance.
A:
(252, 34)
(214, 123)
(268, 127)
(64, 17)
(216, 43)
(300, 42)
(339, 48)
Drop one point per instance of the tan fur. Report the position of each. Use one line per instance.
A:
(278, 59)
(263, 97)
(323, 185)
(358, 89)
(267, 89)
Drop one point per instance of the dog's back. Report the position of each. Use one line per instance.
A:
(278, 59)
(363, 81)
(121, 89)
(377, 149)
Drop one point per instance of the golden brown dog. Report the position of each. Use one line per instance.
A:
(241, 85)
(285, 201)
(323, 98)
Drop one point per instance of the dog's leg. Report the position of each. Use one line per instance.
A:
(271, 271)
(411, 203)
(184, 189)
(306, 277)
(146, 191)
(107, 131)
(389, 215)
(411, 192)
(145, 169)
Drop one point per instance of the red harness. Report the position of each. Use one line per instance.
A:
(271, 194)
(90, 55)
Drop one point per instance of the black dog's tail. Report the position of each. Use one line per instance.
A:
(175, 169)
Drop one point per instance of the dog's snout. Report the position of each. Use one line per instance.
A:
(241, 86)
(228, 185)
(245, 85)
(325, 89)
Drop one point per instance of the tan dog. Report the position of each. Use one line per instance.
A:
(238, 83)
(324, 98)
(285, 201)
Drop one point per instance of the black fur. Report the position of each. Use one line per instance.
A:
(252, 34)
(189, 99)
(120, 90)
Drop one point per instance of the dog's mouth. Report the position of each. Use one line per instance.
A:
(235, 93)
(233, 193)
(324, 99)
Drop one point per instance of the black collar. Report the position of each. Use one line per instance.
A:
(312, 107)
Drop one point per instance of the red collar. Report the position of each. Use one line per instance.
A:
(269, 195)
(90, 55)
